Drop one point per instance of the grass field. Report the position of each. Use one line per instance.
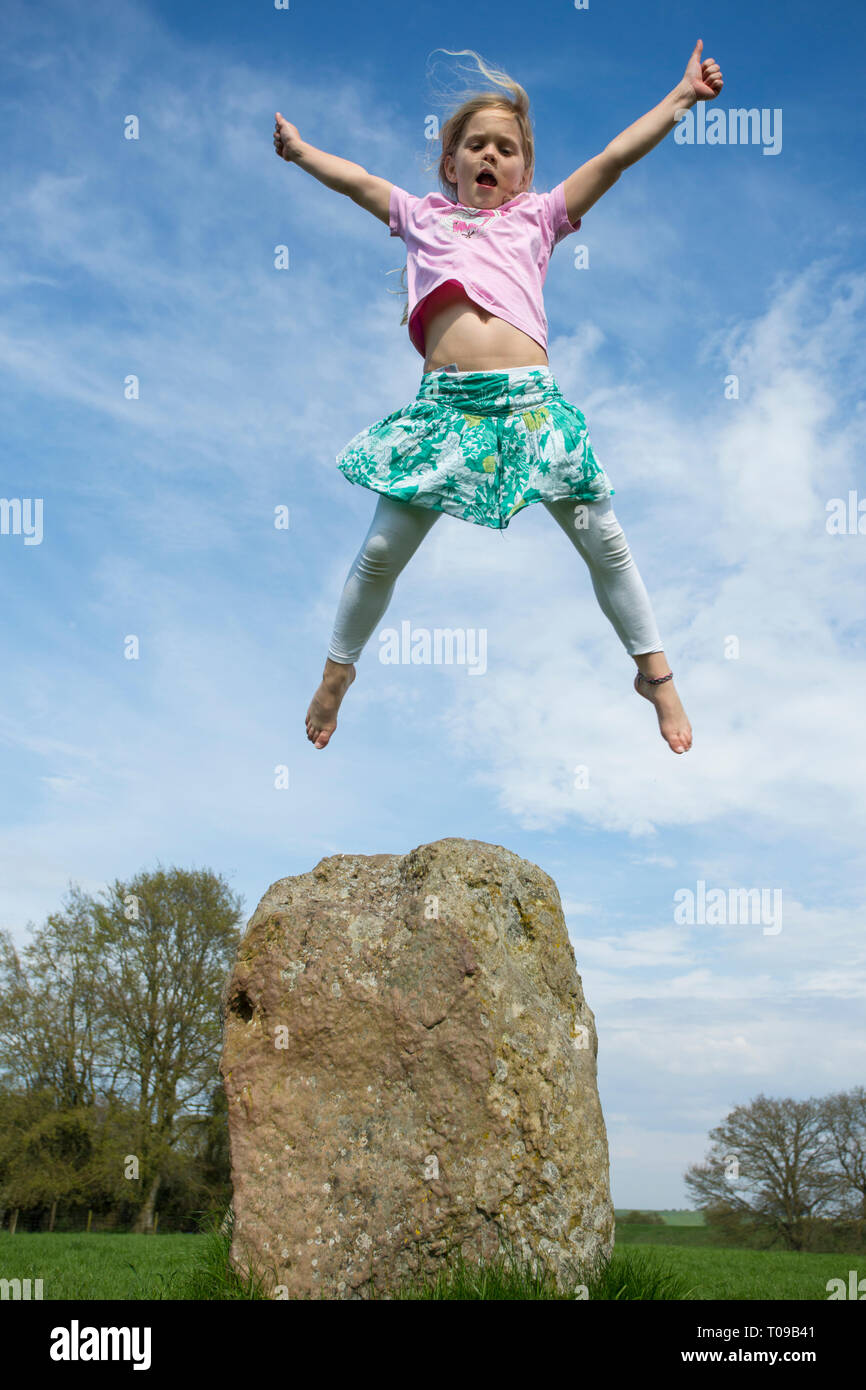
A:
(100, 1266)
(717, 1272)
(671, 1263)
(663, 1236)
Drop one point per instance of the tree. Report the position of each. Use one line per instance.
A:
(212, 1151)
(198, 1183)
(70, 1155)
(166, 939)
(770, 1160)
(844, 1116)
(53, 1027)
(115, 1007)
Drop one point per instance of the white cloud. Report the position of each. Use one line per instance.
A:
(777, 730)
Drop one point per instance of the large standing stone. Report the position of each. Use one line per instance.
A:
(410, 1067)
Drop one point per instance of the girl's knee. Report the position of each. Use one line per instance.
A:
(606, 538)
(376, 554)
(380, 556)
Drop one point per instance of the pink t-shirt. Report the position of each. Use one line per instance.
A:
(499, 255)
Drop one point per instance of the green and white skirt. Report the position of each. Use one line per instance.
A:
(481, 446)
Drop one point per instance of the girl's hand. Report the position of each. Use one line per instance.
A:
(702, 79)
(287, 142)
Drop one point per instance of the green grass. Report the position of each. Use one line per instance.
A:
(630, 1274)
(633, 1234)
(755, 1274)
(194, 1267)
(100, 1266)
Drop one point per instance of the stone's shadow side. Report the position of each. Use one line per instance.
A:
(410, 1067)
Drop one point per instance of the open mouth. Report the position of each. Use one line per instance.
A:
(486, 178)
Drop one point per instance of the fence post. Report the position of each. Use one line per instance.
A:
(14, 1222)
(155, 1221)
(53, 1214)
(89, 1215)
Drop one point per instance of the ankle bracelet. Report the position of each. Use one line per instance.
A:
(654, 680)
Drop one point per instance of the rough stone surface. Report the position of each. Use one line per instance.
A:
(410, 1067)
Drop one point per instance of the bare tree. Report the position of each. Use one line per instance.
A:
(844, 1116)
(773, 1161)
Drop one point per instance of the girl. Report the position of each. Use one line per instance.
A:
(489, 432)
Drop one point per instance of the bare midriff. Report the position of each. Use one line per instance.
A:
(456, 329)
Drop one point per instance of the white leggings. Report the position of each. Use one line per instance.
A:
(398, 528)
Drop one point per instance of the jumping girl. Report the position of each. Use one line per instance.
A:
(489, 432)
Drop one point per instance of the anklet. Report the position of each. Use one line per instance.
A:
(654, 680)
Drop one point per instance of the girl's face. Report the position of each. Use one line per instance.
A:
(490, 140)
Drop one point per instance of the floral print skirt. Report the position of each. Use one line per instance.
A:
(481, 446)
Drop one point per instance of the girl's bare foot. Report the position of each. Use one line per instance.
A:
(675, 727)
(321, 718)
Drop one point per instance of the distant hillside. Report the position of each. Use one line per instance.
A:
(671, 1216)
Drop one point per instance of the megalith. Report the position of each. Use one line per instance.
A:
(410, 1068)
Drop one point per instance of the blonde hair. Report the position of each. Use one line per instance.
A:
(516, 104)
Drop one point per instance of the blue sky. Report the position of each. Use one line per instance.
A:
(155, 258)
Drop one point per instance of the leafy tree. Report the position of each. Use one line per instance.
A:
(53, 1027)
(167, 940)
(69, 1155)
(113, 1010)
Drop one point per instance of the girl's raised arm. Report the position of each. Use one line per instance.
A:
(365, 189)
(701, 81)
